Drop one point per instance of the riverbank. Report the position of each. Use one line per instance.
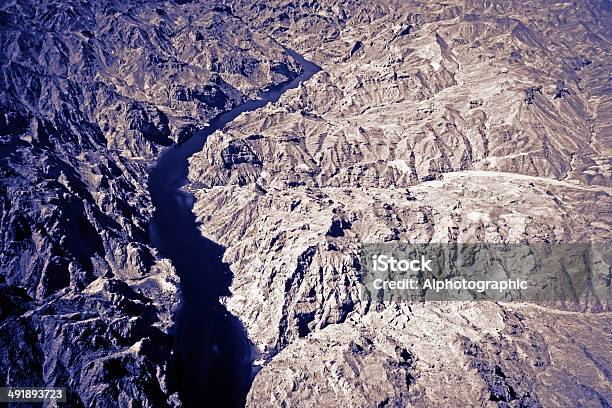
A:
(210, 343)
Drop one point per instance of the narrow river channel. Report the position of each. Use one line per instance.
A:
(213, 351)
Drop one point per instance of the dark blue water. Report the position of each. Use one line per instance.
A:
(214, 361)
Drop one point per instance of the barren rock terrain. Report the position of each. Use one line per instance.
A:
(429, 122)
(467, 121)
(90, 94)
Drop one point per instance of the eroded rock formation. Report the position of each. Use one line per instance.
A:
(462, 121)
(465, 121)
(90, 94)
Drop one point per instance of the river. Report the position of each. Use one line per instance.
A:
(214, 359)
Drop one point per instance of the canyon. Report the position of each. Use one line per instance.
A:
(428, 122)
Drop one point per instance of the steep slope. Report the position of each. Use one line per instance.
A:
(90, 94)
(470, 121)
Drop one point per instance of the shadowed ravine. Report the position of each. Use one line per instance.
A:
(212, 348)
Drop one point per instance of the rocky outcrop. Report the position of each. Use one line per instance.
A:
(91, 92)
(457, 354)
(106, 344)
(468, 121)
(428, 123)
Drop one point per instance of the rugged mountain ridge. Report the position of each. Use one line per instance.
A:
(91, 92)
(470, 121)
(430, 122)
